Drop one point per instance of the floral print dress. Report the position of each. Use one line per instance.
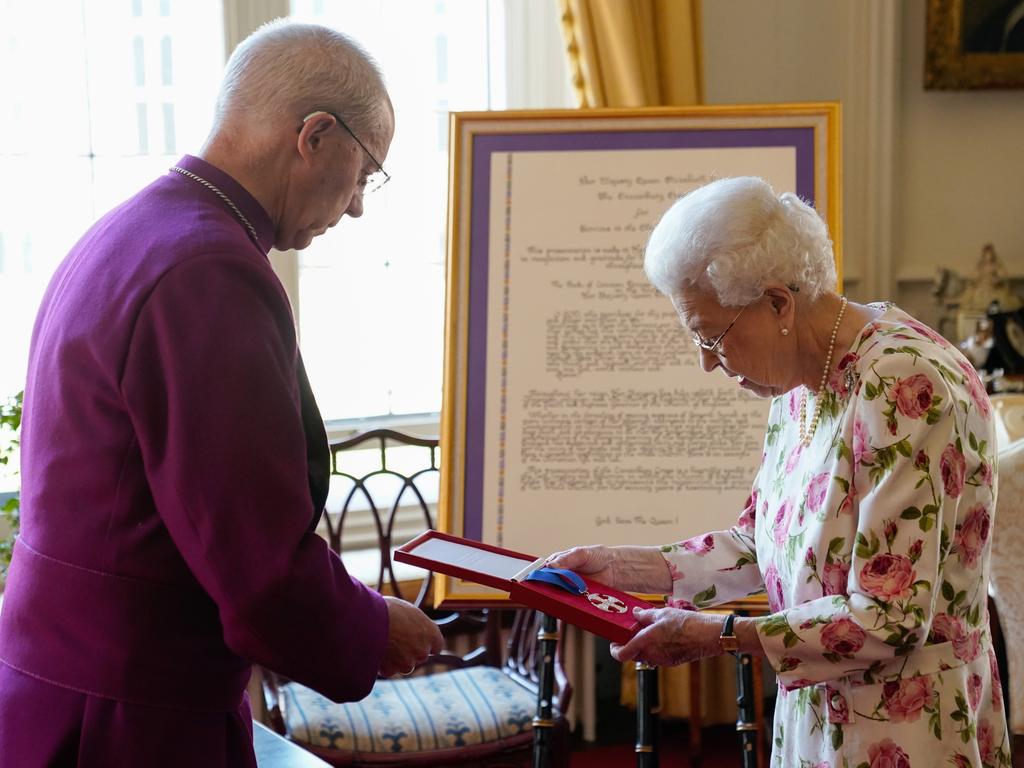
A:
(873, 546)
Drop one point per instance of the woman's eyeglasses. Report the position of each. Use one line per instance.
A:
(712, 345)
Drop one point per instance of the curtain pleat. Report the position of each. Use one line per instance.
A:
(633, 53)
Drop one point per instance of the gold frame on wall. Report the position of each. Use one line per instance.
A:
(948, 66)
(474, 138)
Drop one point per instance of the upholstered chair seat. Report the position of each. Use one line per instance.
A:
(426, 717)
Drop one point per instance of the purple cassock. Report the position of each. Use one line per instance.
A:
(173, 468)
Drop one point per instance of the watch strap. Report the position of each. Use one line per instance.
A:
(728, 641)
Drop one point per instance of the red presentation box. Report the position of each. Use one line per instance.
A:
(603, 610)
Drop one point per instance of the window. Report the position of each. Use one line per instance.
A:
(99, 98)
(371, 291)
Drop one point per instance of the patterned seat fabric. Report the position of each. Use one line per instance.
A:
(449, 710)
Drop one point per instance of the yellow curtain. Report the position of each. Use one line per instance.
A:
(633, 53)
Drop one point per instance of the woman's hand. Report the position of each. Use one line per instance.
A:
(671, 636)
(596, 562)
(631, 569)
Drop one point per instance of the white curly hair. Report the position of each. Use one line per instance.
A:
(735, 236)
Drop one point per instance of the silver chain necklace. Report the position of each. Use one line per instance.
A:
(222, 196)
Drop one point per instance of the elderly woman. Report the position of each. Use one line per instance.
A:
(869, 520)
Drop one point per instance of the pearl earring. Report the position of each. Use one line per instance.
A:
(785, 331)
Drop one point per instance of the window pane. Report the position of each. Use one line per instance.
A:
(44, 105)
(136, 67)
(35, 239)
(76, 127)
(372, 290)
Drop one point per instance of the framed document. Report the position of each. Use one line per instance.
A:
(575, 410)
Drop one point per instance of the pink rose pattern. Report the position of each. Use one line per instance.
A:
(861, 443)
(986, 742)
(913, 395)
(887, 754)
(888, 577)
(794, 458)
(904, 699)
(954, 470)
(972, 535)
(816, 491)
(974, 684)
(773, 587)
(843, 637)
(997, 684)
(838, 706)
(927, 332)
(870, 543)
(748, 518)
(946, 628)
(967, 647)
(793, 403)
(838, 381)
(699, 545)
(782, 520)
(833, 578)
(975, 388)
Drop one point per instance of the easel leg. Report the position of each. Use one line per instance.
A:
(646, 715)
(696, 683)
(544, 722)
(746, 722)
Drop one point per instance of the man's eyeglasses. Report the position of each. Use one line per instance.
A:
(375, 180)
(712, 345)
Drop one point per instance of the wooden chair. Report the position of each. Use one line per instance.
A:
(1006, 591)
(470, 707)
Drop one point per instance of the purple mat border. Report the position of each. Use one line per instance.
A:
(802, 139)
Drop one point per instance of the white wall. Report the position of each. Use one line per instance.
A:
(962, 167)
(946, 167)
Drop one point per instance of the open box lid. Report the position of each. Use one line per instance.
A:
(601, 609)
(470, 560)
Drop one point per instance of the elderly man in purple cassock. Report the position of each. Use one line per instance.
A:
(174, 462)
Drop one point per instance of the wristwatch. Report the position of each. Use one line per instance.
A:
(728, 641)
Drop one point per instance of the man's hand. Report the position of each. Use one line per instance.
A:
(412, 637)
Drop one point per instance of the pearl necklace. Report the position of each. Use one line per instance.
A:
(222, 196)
(807, 433)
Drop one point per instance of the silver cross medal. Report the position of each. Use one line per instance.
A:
(606, 602)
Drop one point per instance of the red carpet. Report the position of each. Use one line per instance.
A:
(720, 748)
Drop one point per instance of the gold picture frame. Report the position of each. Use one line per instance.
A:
(974, 45)
(526, 184)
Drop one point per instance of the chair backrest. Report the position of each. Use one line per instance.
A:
(385, 484)
(384, 489)
(1005, 584)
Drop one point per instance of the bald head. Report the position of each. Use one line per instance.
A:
(303, 122)
(285, 70)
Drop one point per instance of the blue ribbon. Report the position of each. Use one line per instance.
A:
(559, 577)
